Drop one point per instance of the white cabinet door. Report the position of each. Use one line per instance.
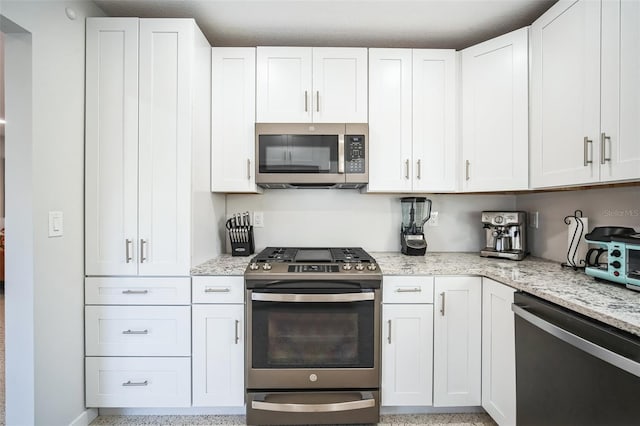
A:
(495, 108)
(283, 84)
(620, 127)
(339, 85)
(434, 112)
(166, 47)
(233, 82)
(218, 355)
(111, 182)
(390, 116)
(565, 94)
(407, 351)
(498, 353)
(457, 341)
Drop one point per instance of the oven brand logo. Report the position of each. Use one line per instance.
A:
(313, 377)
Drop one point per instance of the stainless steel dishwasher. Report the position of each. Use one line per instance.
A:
(573, 370)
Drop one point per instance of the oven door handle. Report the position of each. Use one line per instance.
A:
(311, 298)
(367, 401)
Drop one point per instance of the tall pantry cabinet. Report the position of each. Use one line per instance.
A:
(149, 212)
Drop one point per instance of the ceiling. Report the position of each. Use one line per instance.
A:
(366, 23)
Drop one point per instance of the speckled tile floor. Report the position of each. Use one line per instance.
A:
(465, 419)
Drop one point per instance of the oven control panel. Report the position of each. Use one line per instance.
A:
(313, 268)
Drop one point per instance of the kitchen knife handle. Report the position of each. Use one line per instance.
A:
(466, 169)
(419, 169)
(603, 148)
(143, 242)
(442, 309)
(128, 246)
(389, 335)
(248, 169)
(406, 165)
(587, 141)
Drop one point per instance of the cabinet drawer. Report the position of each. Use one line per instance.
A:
(223, 289)
(400, 289)
(137, 291)
(138, 382)
(138, 330)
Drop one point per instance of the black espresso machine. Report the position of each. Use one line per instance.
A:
(416, 211)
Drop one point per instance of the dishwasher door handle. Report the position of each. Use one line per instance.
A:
(610, 357)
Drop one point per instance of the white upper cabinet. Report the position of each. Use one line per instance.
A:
(233, 84)
(411, 120)
(148, 97)
(495, 108)
(620, 91)
(304, 85)
(585, 88)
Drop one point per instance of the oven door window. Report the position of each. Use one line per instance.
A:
(312, 335)
(298, 154)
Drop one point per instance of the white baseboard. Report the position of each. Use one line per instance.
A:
(187, 411)
(430, 410)
(86, 417)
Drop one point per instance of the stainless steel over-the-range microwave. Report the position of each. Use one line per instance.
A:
(319, 155)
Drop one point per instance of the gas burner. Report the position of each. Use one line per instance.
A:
(313, 255)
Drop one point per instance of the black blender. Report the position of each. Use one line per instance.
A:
(416, 211)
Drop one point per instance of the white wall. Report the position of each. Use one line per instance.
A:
(321, 217)
(603, 207)
(57, 145)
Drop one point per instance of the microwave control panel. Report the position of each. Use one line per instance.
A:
(354, 155)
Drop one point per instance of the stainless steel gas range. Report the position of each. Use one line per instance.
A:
(313, 336)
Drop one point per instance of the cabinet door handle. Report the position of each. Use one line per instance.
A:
(466, 169)
(142, 244)
(389, 335)
(419, 169)
(406, 165)
(442, 309)
(317, 101)
(587, 141)
(135, 331)
(248, 169)
(135, 291)
(128, 245)
(603, 148)
(306, 101)
(217, 290)
(409, 290)
(130, 383)
(237, 331)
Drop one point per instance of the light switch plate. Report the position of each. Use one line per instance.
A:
(258, 219)
(56, 224)
(434, 219)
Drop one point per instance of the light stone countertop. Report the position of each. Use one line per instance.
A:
(610, 303)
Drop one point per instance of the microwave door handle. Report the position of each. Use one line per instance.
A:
(341, 154)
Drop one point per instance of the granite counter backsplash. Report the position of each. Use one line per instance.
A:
(610, 303)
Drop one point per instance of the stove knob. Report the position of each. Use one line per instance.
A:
(266, 267)
(616, 264)
(615, 253)
(359, 267)
(372, 267)
(253, 266)
(347, 266)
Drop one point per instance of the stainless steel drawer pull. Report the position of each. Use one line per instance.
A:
(128, 246)
(135, 291)
(248, 169)
(587, 141)
(419, 168)
(367, 401)
(442, 310)
(306, 102)
(237, 332)
(317, 101)
(217, 290)
(603, 148)
(130, 383)
(466, 168)
(135, 332)
(389, 335)
(406, 165)
(409, 290)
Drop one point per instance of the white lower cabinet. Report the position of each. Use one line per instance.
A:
(457, 342)
(218, 342)
(498, 353)
(407, 341)
(138, 382)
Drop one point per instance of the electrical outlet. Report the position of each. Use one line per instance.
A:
(258, 219)
(534, 218)
(433, 221)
